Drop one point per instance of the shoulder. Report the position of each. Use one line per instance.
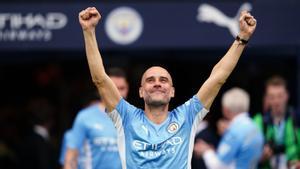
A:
(258, 118)
(90, 110)
(243, 127)
(67, 134)
(193, 102)
(124, 106)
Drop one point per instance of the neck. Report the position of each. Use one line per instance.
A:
(232, 117)
(278, 119)
(101, 106)
(157, 114)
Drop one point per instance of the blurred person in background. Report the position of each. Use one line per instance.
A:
(89, 99)
(8, 136)
(156, 137)
(92, 141)
(277, 123)
(222, 125)
(242, 143)
(296, 165)
(37, 151)
(207, 132)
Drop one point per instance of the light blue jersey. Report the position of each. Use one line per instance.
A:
(242, 143)
(81, 157)
(169, 145)
(63, 148)
(95, 132)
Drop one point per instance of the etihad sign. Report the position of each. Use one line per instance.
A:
(30, 26)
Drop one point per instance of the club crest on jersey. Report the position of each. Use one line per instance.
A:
(173, 127)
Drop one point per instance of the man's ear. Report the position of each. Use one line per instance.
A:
(141, 92)
(173, 92)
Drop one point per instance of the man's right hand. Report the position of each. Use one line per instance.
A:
(89, 18)
(267, 153)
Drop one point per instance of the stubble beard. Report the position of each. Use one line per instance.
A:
(156, 103)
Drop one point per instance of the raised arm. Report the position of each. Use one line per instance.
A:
(89, 19)
(225, 66)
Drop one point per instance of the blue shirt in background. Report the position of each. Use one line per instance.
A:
(82, 164)
(94, 132)
(242, 143)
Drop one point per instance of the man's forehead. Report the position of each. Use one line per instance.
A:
(118, 80)
(275, 88)
(156, 72)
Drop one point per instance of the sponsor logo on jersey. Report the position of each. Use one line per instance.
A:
(148, 150)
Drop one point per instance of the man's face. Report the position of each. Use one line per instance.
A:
(121, 84)
(276, 99)
(156, 87)
(226, 113)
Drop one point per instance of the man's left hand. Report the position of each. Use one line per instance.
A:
(247, 25)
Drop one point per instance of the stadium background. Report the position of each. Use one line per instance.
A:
(55, 67)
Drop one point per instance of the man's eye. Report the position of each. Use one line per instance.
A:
(164, 80)
(149, 80)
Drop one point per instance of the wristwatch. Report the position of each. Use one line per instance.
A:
(241, 41)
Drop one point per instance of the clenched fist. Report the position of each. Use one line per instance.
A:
(89, 18)
(247, 25)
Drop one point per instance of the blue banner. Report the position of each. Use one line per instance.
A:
(147, 25)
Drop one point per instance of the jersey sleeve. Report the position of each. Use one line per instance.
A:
(212, 161)
(228, 147)
(193, 110)
(124, 113)
(63, 150)
(77, 134)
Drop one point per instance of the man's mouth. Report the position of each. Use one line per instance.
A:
(157, 91)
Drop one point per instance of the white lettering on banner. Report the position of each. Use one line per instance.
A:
(24, 35)
(30, 27)
(153, 150)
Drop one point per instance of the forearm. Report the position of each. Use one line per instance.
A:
(104, 84)
(212, 162)
(94, 57)
(71, 159)
(219, 75)
(225, 66)
(223, 69)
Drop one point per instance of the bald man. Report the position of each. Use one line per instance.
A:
(155, 137)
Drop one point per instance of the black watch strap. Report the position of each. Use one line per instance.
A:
(241, 41)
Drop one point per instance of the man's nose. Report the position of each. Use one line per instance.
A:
(157, 83)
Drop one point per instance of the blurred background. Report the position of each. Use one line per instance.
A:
(43, 64)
